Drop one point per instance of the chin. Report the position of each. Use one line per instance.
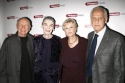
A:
(69, 35)
(47, 33)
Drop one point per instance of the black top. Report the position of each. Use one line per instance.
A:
(46, 54)
(25, 72)
(47, 59)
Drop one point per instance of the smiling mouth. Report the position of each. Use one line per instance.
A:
(23, 30)
(47, 30)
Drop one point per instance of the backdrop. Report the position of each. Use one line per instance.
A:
(36, 10)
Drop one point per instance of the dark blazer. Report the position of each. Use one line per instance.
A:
(10, 59)
(108, 66)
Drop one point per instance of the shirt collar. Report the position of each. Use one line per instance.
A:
(101, 33)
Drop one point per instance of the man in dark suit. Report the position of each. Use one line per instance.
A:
(108, 62)
(17, 56)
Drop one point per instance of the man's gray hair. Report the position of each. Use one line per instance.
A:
(100, 8)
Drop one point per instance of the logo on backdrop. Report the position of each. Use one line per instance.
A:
(38, 16)
(74, 15)
(56, 5)
(10, 0)
(36, 35)
(11, 17)
(88, 26)
(116, 13)
(25, 7)
(57, 26)
(93, 3)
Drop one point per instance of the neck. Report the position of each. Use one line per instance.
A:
(47, 36)
(72, 39)
(21, 35)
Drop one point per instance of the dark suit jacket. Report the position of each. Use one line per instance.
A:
(10, 59)
(108, 66)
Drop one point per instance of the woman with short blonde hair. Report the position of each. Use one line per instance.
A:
(73, 54)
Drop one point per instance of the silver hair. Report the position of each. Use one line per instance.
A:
(100, 8)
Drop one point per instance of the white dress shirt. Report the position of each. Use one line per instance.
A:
(99, 39)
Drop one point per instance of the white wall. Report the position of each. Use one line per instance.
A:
(81, 9)
(1, 23)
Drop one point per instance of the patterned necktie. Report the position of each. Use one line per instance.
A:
(91, 56)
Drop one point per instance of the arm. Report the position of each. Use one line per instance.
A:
(119, 55)
(3, 64)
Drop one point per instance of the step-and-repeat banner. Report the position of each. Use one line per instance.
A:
(36, 10)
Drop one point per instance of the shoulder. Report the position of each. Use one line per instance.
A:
(38, 37)
(83, 39)
(56, 40)
(56, 37)
(115, 34)
(64, 39)
(90, 34)
(9, 39)
(30, 35)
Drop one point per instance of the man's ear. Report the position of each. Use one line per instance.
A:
(106, 20)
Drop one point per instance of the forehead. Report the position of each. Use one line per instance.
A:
(23, 21)
(48, 21)
(98, 12)
(68, 24)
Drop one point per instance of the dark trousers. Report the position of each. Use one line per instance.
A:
(89, 80)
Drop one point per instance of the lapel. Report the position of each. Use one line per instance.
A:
(90, 37)
(30, 47)
(104, 42)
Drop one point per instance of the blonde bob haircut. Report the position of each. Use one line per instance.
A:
(70, 20)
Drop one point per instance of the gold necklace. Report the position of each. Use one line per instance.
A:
(73, 41)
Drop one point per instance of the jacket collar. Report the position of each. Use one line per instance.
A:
(18, 38)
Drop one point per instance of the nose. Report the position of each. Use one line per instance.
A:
(23, 27)
(48, 27)
(97, 20)
(69, 29)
